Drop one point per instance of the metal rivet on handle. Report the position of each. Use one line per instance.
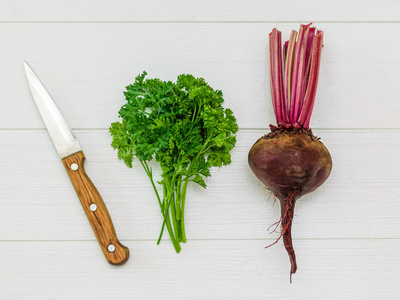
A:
(74, 167)
(111, 248)
(93, 207)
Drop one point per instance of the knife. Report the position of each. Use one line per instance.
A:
(72, 157)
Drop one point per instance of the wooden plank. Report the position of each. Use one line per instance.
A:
(336, 269)
(199, 11)
(359, 200)
(358, 85)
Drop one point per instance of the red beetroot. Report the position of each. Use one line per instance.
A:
(290, 160)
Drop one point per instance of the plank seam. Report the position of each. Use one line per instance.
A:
(194, 240)
(202, 22)
(315, 129)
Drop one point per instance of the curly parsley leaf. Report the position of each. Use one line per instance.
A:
(182, 126)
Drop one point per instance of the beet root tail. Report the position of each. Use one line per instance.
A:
(287, 213)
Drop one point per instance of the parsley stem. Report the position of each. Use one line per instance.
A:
(167, 221)
(178, 198)
(171, 233)
(164, 210)
(178, 185)
(183, 195)
(171, 196)
(150, 175)
(161, 233)
(164, 218)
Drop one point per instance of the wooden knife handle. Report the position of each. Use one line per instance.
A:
(95, 209)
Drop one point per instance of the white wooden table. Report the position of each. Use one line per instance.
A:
(346, 234)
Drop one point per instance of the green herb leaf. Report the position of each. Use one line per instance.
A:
(182, 126)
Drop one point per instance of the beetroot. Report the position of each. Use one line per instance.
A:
(290, 160)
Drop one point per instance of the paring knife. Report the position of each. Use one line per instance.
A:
(73, 158)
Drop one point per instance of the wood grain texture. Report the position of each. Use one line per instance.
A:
(199, 11)
(212, 269)
(98, 216)
(87, 66)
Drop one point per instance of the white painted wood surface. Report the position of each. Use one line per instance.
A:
(87, 66)
(347, 233)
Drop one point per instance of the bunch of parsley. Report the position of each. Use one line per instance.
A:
(184, 127)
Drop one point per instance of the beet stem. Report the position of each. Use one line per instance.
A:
(294, 78)
(311, 91)
(296, 72)
(276, 76)
(302, 68)
(288, 67)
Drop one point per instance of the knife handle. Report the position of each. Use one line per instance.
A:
(95, 210)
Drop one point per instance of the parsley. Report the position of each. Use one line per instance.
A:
(184, 127)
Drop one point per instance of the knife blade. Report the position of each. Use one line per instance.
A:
(72, 157)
